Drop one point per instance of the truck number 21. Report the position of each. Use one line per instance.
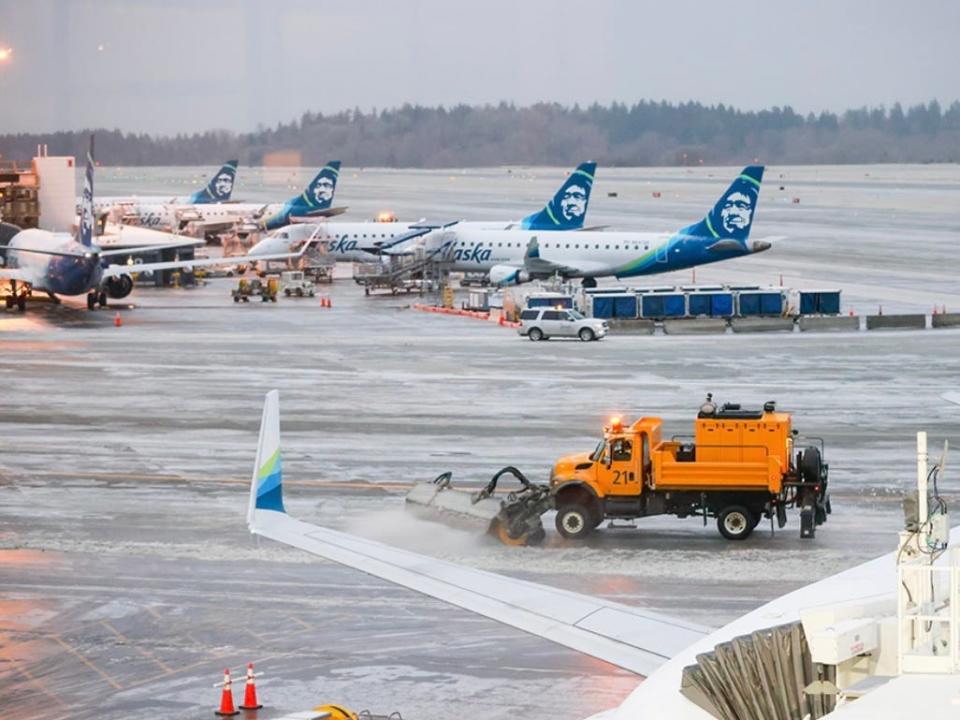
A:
(622, 477)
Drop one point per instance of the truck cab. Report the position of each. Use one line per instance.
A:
(738, 467)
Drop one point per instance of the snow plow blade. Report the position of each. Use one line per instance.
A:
(514, 520)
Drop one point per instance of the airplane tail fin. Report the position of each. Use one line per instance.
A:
(87, 216)
(732, 215)
(266, 490)
(568, 208)
(220, 186)
(320, 191)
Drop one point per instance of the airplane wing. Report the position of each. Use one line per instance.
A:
(125, 269)
(326, 212)
(190, 242)
(622, 635)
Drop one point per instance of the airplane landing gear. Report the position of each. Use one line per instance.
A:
(589, 282)
(91, 301)
(102, 299)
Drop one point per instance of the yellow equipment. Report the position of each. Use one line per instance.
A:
(739, 466)
(337, 712)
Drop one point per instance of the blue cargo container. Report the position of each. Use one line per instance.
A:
(721, 304)
(674, 305)
(819, 302)
(662, 305)
(830, 302)
(771, 303)
(651, 306)
(699, 304)
(749, 304)
(615, 306)
(760, 303)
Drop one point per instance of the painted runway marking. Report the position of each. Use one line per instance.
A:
(145, 653)
(86, 661)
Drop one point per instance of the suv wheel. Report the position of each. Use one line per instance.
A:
(535, 334)
(586, 334)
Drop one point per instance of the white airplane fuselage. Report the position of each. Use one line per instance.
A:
(56, 274)
(168, 216)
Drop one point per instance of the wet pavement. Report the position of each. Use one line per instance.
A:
(129, 580)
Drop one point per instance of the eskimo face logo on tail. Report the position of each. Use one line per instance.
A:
(573, 202)
(323, 190)
(223, 184)
(732, 215)
(736, 212)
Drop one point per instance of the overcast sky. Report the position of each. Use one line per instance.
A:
(186, 65)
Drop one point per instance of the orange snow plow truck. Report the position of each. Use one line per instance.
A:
(739, 467)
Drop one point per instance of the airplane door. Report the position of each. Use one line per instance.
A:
(663, 252)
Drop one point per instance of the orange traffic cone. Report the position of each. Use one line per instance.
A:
(226, 697)
(329, 302)
(117, 322)
(250, 692)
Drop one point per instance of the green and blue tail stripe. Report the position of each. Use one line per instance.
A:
(266, 490)
(220, 187)
(567, 210)
(269, 487)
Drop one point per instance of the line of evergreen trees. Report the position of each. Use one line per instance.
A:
(646, 133)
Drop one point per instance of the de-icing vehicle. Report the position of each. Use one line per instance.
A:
(740, 466)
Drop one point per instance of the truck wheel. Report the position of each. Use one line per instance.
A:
(586, 334)
(535, 334)
(236, 299)
(810, 465)
(574, 521)
(735, 522)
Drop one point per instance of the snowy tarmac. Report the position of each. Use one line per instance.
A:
(128, 578)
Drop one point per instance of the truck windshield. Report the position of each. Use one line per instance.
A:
(575, 315)
(598, 453)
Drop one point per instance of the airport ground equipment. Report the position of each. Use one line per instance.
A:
(246, 289)
(740, 466)
(295, 283)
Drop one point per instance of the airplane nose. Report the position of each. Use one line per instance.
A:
(759, 246)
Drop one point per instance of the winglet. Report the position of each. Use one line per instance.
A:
(266, 491)
(87, 216)
(220, 186)
(568, 208)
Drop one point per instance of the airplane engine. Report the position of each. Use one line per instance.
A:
(118, 287)
(508, 275)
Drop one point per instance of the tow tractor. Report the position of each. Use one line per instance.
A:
(266, 291)
(740, 466)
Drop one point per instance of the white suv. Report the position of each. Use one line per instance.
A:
(543, 323)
